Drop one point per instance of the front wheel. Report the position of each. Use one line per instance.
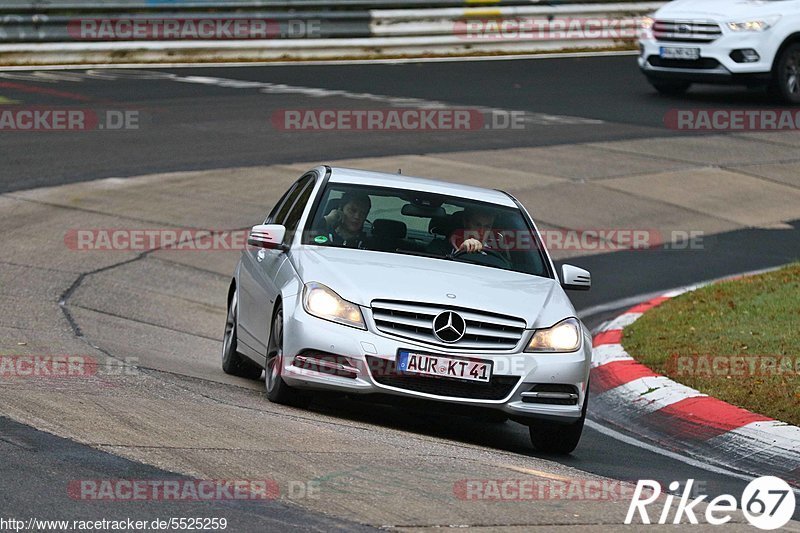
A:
(233, 362)
(786, 76)
(670, 88)
(277, 389)
(561, 439)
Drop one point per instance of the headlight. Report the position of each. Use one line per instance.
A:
(563, 337)
(322, 302)
(754, 25)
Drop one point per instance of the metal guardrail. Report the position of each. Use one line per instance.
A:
(51, 24)
(43, 6)
(335, 30)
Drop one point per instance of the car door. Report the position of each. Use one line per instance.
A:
(257, 287)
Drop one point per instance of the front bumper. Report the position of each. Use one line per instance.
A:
(369, 353)
(715, 64)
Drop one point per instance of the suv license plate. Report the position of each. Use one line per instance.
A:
(668, 52)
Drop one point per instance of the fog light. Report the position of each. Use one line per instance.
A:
(747, 55)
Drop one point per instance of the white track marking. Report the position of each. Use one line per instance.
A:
(454, 59)
(541, 119)
(622, 321)
(607, 353)
(538, 119)
(654, 393)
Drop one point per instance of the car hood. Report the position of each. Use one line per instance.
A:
(362, 276)
(723, 10)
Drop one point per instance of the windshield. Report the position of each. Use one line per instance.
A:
(431, 225)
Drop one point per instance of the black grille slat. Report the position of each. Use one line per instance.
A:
(704, 63)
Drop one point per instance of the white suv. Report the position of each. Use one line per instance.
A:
(745, 42)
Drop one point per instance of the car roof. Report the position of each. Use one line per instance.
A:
(401, 181)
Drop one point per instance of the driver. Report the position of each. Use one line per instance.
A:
(473, 220)
(345, 225)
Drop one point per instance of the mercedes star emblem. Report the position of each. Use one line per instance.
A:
(449, 327)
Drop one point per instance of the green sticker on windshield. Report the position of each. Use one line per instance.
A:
(321, 239)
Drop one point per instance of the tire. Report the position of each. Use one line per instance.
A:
(277, 389)
(786, 76)
(555, 438)
(233, 362)
(671, 88)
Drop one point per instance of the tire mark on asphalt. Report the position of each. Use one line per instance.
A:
(16, 196)
(144, 322)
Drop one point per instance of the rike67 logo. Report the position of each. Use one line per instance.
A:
(767, 503)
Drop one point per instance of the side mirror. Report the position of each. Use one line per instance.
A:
(575, 279)
(267, 236)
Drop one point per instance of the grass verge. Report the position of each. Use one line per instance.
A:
(738, 341)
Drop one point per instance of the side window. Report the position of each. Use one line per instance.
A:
(279, 211)
(293, 217)
(284, 205)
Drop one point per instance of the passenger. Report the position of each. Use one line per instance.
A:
(345, 224)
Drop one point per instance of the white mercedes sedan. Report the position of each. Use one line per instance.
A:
(371, 283)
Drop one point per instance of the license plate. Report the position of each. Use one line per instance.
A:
(669, 52)
(444, 366)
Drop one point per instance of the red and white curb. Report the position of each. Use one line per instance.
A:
(681, 418)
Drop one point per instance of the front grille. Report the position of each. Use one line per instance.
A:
(686, 31)
(499, 387)
(485, 331)
(704, 63)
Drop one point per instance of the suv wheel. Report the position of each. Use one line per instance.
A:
(786, 76)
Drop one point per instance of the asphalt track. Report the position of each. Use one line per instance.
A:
(201, 125)
(185, 126)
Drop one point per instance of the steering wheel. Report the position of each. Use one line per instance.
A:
(485, 251)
